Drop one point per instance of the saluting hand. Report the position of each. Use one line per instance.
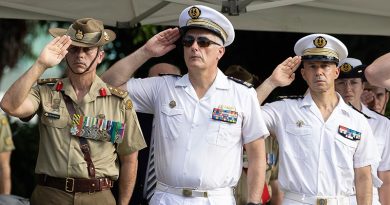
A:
(162, 42)
(283, 74)
(54, 52)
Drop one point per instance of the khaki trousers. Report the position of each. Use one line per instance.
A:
(43, 195)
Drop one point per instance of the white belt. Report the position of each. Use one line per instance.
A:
(318, 200)
(191, 192)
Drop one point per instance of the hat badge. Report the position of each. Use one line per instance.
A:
(194, 12)
(320, 42)
(106, 37)
(346, 67)
(79, 35)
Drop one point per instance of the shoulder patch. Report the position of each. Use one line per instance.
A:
(249, 85)
(368, 117)
(170, 74)
(294, 97)
(50, 81)
(117, 92)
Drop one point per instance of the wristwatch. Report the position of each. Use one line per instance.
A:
(251, 203)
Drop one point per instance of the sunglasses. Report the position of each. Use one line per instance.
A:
(201, 41)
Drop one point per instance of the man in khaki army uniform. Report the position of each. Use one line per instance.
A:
(271, 193)
(85, 125)
(6, 146)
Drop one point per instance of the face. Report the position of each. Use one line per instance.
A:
(350, 89)
(79, 58)
(202, 58)
(320, 75)
(381, 97)
(163, 68)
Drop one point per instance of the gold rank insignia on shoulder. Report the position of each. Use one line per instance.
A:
(320, 42)
(129, 104)
(118, 92)
(8, 141)
(47, 81)
(79, 35)
(346, 67)
(4, 121)
(194, 12)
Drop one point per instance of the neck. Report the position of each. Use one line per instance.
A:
(81, 83)
(357, 105)
(202, 80)
(326, 102)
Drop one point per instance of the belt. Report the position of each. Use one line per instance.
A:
(72, 185)
(192, 192)
(318, 200)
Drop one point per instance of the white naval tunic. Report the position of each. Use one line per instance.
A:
(193, 150)
(315, 160)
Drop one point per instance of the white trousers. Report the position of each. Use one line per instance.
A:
(163, 198)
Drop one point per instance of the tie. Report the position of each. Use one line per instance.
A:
(151, 180)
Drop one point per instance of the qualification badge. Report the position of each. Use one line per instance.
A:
(300, 123)
(349, 133)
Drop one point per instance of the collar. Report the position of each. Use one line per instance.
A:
(308, 101)
(221, 81)
(368, 112)
(94, 91)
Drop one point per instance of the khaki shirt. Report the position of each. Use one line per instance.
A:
(272, 150)
(59, 152)
(6, 143)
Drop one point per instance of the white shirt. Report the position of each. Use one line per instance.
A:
(380, 126)
(191, 149)
(315, 159)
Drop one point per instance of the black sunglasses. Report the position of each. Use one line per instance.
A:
(201, 41)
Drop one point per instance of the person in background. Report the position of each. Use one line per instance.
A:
(350, 85)
(325, 146)
(86, 126)
(203, 119)
(375, 98)
(271, 193)
(6, 147)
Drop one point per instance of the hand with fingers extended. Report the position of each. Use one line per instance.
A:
(367, 98)
(162, 43)
(283, 74)
(53, 53)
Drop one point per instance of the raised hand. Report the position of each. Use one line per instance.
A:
(283, 74)
(162, 42)
(54, 51)
(367, 98)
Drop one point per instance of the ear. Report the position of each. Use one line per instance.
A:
(100, 56)
(303, 73)
(337, 72)
(221, 51)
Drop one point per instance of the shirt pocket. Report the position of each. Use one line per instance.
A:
(172, 122)
(344, 151)
(298, 141)
(51, 121)
(223, 134)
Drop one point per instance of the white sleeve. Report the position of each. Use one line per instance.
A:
(366, 152)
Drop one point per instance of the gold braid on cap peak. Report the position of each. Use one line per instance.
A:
(206, 23)
(320, 52)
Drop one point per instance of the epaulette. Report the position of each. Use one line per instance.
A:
(249, 85)
(294, 97)
(353, 107)
(170, 74)
(47, 81)
(117, 92)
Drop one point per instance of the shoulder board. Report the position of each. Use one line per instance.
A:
(117, 92)
(47, 81)
(169, 74)
(368, 117)
(294, 97)
(249, 85)
(379, 113)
